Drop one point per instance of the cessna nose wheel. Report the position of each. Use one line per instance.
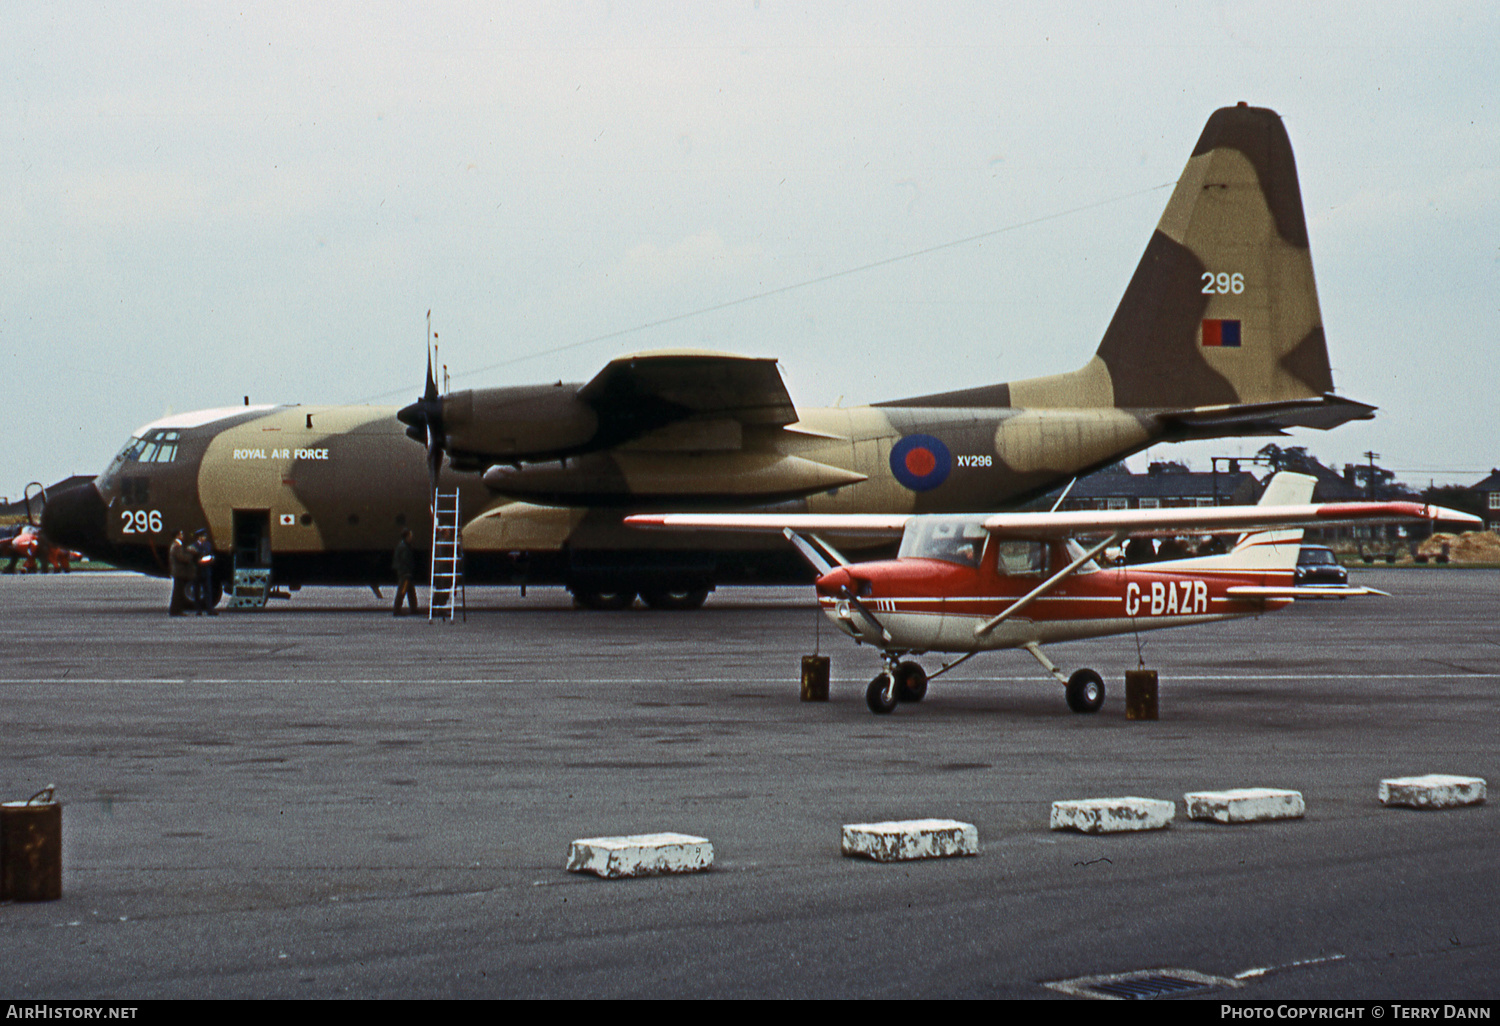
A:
(898, 682)
(880, 696)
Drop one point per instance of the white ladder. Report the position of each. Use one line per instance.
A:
(447, 560)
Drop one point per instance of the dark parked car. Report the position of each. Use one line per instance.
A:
(1316, 564)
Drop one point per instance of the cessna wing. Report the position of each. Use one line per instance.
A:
(1214, 519)
(1072, 523)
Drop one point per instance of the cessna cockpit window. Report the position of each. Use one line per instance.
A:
(951, 539)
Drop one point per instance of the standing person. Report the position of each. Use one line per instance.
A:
(204, 593)
(183, 563)
(404, 562)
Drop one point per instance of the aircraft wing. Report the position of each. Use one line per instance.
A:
(1215, 519)
(689, 383)
(1070, 523)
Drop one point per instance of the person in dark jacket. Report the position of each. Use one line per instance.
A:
(404, 562)
(205, 594)
(182, 561)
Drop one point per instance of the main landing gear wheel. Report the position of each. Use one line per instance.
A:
(1085, 691)
(594, 598)
(911, 682)
(675, 598)
(880, 696)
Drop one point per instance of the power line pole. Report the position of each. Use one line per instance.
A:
(1370, 481)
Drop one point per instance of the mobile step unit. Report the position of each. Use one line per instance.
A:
(447, 559)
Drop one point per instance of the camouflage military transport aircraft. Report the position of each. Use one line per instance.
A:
(1218, 334)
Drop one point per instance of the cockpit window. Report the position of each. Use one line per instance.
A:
(156, 446)
(952, 539)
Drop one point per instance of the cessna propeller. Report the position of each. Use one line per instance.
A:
(837, 580)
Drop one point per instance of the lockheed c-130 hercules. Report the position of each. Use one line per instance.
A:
(1218, 334)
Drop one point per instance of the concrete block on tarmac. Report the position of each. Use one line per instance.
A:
(910, 839)
(640, 855)
(1434, 791)
(1245, 805)
(1112, 815)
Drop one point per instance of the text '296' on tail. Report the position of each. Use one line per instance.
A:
(1219, 331)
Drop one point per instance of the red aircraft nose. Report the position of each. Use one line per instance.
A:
(833, 582)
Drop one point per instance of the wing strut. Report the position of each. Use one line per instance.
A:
(835, 553)
(1046, 586)
(1047, 664)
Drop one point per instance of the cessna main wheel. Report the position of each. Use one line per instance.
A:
(1085, 691)
(875, 695)
(911, 682)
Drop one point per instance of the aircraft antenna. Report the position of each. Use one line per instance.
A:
(806, 283)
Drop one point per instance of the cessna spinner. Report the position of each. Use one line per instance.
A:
(1218, 334)
(978, 583)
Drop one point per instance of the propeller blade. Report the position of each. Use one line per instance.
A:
(812, 555)
(424, 420)
(434, 455)
(864, 611)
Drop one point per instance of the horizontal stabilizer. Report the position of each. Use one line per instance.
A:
(1323, 413)
(1304, 591)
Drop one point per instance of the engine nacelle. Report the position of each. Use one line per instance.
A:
(527, 422)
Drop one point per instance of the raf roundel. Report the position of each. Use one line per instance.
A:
(920, 462)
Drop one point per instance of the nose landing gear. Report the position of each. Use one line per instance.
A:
(898, 682)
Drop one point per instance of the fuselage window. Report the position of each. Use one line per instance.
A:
(1018, 558)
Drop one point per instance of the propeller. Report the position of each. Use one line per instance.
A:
(842, 585)
(424, 420)
(812, 555)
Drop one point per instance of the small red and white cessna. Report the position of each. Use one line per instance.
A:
(979, 582)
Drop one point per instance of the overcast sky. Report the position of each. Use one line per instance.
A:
(202, 202)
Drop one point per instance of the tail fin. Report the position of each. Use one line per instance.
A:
(1275, 549)
(1222, 310)
(1260, 551)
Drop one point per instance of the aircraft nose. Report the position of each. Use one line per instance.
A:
(74, 519)
(833, 582)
